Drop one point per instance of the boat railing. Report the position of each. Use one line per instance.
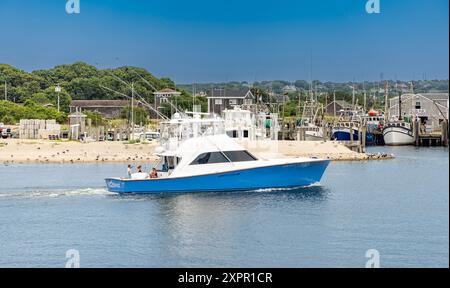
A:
(174, 133)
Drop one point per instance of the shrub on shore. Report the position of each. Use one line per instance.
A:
(11, 113)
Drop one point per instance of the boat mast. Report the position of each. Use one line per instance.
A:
(193, 98)
(334, 103)
(353, 96)
(400, 106)
(386, 99)
(365, 97)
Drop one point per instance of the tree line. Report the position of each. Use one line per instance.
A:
(79, 81)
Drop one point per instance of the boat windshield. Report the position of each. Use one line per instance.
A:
(223, 157)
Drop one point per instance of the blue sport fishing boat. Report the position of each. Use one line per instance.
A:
(196, 155)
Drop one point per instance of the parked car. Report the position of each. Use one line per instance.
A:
(150, 136)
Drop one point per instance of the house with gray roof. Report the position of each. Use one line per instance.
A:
(220, 99)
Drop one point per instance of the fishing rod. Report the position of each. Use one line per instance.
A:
(139, 101)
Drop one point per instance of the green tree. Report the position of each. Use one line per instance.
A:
(141, 115)
(96, 118)
(30, 110)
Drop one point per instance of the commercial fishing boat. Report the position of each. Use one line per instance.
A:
(309, 120)
(398, 131)
(196, 155)
(349, 125)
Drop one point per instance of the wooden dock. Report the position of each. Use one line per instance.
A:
(434, 139)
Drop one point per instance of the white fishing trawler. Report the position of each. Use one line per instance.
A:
(398, 131)
(309, 119)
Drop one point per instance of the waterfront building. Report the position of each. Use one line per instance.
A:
(164, 96)
(222, 99)
(430, 108)
(108, 108)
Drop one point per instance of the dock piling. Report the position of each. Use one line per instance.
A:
(444, 133)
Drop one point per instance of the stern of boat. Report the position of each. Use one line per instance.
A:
(115, 185)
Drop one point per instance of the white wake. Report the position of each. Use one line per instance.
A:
(55, 193)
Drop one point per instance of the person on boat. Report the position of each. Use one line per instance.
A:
(153, 174)
(129, 171)
(139, 169)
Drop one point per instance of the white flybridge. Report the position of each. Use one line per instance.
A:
(182, 127)
(244, 124)
(196, 155)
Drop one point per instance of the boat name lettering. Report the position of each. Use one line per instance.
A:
(112, 184)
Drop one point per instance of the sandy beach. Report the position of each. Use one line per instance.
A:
(42, 151)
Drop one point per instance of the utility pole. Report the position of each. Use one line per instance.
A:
(58, 90)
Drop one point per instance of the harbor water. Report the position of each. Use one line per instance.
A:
(399, 207)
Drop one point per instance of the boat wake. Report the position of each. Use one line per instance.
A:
(54, 193)
(268, 190)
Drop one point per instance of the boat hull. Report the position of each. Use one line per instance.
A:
(279, 176)
(398, 136)
(344, 135)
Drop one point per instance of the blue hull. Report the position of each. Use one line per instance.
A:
(281, 176)
(345, 136)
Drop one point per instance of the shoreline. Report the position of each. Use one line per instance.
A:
(20, 151)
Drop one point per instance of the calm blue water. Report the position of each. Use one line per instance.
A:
(399, 207)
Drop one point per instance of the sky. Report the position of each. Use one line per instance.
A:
(233, 40)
